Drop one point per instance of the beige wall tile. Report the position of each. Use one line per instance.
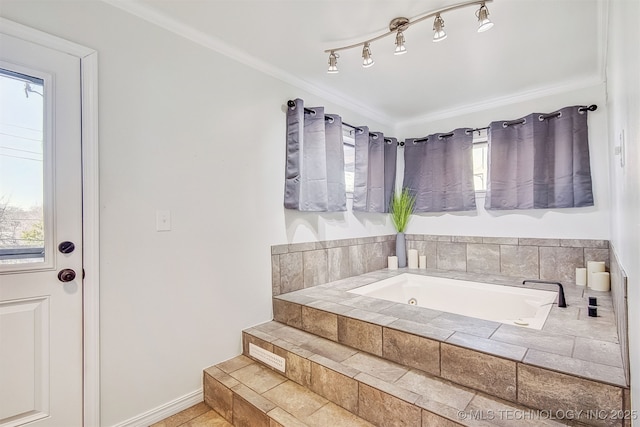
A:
(519, 261)
(314, 267)
(361, 335)
(287, 313)
(559, 264)
(337, 388)
(320, 323)
(411, 350)
(246, 415)
(491, 374)
(297, 368)
(544, 389)
(483, 258)
(383, 409)
(218, 397)
(430, 419)
(291, 272)
(451, 256)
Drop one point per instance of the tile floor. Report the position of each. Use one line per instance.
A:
(199, 415)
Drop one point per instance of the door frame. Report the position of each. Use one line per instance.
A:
(90, 207)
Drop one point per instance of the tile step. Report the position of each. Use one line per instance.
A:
(382, 392)
(249, 394)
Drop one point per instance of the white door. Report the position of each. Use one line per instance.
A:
(41, 360)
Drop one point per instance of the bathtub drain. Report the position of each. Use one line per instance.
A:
(412, 301)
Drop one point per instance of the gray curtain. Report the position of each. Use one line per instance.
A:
(314, 177)
(375, 170)
(540, 161)
(438, 170)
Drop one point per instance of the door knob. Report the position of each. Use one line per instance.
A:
(66, 275)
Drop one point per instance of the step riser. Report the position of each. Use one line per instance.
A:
(523, 384)
(370, 404)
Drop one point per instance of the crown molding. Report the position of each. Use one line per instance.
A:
(503, 101)
(220, 46)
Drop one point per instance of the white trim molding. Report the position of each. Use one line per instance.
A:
(90, 206)
(164, 411)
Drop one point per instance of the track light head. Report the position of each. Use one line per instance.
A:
(400, 47)
(333, 63)
(438, 29)
(484, 23)
(367, 59)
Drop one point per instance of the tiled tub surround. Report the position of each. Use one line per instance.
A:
(574, 362)
(303, 265)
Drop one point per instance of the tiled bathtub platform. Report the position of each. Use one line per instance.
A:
(573, 363)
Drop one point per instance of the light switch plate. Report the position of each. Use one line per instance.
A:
(163, 220)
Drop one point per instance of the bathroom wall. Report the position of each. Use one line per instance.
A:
(623, 90)
(183, 129)
(577, 223)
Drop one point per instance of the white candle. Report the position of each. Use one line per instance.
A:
(392, 262)
(600, 281)
(593, 267)
(412, 258)
(581, 276)
(422, 261)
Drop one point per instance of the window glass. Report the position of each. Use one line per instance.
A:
(21, 168)
(349, 163)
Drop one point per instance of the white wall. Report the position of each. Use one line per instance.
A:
(590, 222)
(623, 88)
(187, 130)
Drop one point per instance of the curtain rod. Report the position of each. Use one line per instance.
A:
(592, 107)
(292, 104)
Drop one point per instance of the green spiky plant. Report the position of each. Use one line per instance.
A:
(401, 209)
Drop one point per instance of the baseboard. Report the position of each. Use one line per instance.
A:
(164, 411)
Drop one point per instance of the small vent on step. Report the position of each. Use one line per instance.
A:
(267, 357)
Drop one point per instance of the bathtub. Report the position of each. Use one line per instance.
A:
(512, 305)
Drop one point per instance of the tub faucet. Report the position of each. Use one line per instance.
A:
(561, 300)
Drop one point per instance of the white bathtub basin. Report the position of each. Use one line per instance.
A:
(507, 304)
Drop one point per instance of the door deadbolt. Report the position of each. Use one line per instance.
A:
(66, 247)
(66, 275)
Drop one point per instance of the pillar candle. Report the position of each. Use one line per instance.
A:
(600, 281)
(593, 267)
(392, 262)
(581, 276)
(412, 258)
(422, 261)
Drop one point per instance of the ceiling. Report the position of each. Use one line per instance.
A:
(535, 46)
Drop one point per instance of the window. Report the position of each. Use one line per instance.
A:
(349, 163)
(21, 168)
(480, 164)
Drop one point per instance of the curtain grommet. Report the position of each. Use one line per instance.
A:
(330, 120)
(540, 118)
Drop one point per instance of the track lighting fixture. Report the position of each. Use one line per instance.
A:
(367, 60)
(484, 23)
(438, 29)
(333, 63)
(400, 48)
(399, 25)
